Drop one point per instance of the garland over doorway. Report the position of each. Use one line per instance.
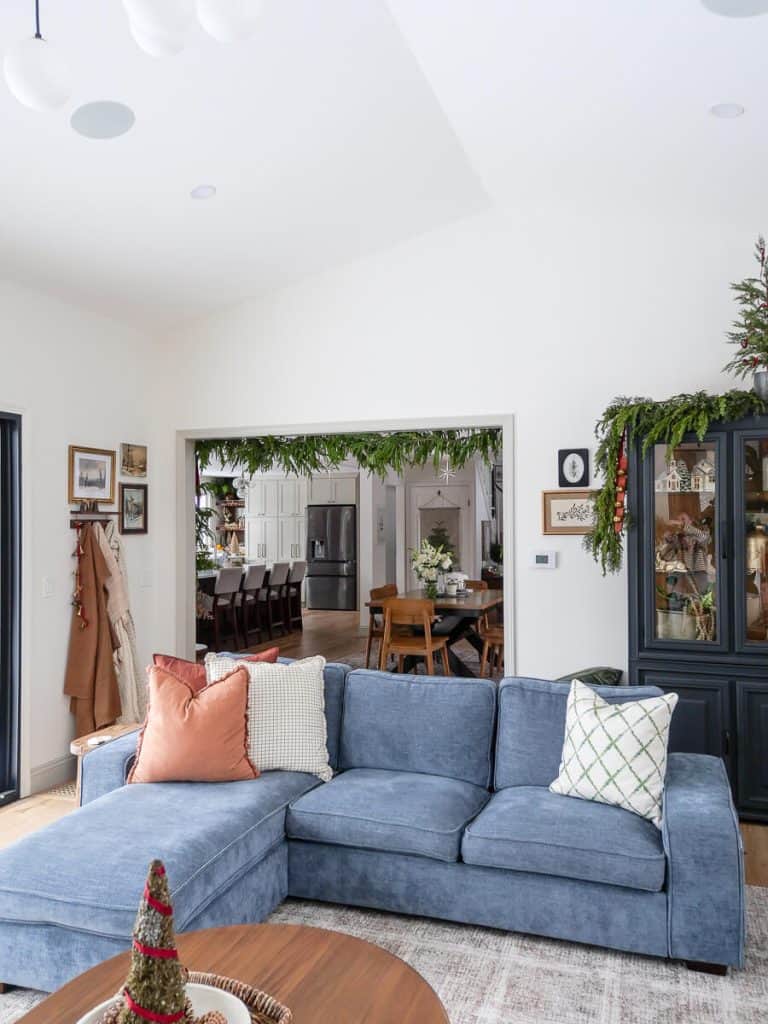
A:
(305, 454)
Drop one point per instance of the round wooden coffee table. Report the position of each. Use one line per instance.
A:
(322, 976)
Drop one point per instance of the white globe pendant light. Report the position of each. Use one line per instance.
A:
(36, 73)
(160, 26)
(229, 21)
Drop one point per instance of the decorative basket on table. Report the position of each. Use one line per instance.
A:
(262, 1008)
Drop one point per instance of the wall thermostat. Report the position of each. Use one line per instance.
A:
(544, 560)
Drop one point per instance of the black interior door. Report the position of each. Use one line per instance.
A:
(10, 604)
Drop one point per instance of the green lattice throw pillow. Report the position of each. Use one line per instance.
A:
(616, 753)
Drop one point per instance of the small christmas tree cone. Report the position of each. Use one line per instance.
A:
(154, 990)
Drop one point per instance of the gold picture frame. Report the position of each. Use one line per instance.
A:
(92, 474)
(568, 512)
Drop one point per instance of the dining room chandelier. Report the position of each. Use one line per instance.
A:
(160, 27)
(35, 71)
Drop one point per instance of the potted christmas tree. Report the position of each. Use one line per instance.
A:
(750, 330)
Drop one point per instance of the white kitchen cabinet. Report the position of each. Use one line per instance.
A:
(333, 490)
(262, 538)
(291, 538)
(263, 497)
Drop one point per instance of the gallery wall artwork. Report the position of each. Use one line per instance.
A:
(134, 512)
(133, 460)
(91, 474)
(567, 512)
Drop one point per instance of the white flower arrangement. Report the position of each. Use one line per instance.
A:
(429, 561)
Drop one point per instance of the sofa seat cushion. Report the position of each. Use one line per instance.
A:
(87, 871)
(527, 828)
(398, 812)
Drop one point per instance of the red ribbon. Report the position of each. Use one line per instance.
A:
(158, 1018)
(161, 908)
(162, 954)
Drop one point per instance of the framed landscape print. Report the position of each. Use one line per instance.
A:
(133, 459)
(134, 517)
(91, 474)
(568, 512)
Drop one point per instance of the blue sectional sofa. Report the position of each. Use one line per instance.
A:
(440, 807)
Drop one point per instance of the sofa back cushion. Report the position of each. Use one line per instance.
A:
(335, 676)
(531, 727)
(417, 724)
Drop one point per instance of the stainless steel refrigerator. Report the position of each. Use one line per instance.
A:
(331, 557)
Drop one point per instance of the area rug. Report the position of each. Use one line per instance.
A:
(484, 976)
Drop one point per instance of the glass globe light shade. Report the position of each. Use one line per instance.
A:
(159, 26)
(737, 8)
(37, 75)
(229, 21)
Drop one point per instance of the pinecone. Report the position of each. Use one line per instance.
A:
(111, 1013)
(212, 1017)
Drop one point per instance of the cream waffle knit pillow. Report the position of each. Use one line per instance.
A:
(287, 730)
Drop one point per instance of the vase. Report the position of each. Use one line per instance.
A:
(430, 590)
(760, 384)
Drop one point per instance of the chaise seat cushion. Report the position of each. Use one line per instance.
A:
(392, 811)
(86, 872)
(527, 828)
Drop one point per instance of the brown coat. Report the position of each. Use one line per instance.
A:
(91, 682)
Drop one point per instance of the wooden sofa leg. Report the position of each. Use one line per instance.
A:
(705, 968)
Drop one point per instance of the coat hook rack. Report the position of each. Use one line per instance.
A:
(89, 513)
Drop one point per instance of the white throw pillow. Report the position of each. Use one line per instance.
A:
(287, 729)
(616, 753)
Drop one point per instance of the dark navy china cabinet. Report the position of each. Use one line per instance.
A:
(698, 595)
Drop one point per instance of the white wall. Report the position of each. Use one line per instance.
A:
(76, 378)
(546, 316)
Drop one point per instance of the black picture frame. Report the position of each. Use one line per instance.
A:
(129, 522)
(568, 461)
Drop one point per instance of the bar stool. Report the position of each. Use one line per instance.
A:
(225, 592)
(293, 594)
(248, 600)
(274, 594)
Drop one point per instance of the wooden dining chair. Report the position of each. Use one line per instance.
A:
(225, 592)
(293, 594)
(493, 644)
(401, 611)
(482, 622)
(274, 597)
(376, 617)
(248, 600)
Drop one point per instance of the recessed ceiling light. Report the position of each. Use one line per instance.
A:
(737, 8)
(203, 192)
(103, 119)
(727, 110)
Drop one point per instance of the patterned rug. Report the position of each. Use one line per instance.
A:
(485, 976)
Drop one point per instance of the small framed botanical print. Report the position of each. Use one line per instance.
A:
(133, 459)
(573, 467)
(91, 474)
(568, 512)
(134, 512)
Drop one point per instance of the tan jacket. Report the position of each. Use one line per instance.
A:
(90, 681)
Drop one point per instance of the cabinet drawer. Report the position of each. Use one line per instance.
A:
(701, 723)
(752, 719)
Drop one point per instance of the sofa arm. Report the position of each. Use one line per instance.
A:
(106, 767)
(705, 873)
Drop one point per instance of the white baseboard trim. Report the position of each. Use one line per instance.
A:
(53, 773)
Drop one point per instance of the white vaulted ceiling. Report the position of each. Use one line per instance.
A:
(345, 126)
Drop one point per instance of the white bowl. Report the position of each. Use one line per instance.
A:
(203, 997)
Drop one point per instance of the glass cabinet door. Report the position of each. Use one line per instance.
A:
(684, 535)
(754, 473)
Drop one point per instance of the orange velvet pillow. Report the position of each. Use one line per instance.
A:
(194, 737)
(194, 674)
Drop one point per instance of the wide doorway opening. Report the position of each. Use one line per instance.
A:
(293, 532)
(10, 604)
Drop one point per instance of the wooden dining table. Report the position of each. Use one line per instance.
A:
(466, 608)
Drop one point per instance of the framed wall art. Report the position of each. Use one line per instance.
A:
(566, 512)
(133, 459)
(134, 510)
(91, 474)
(573, 467)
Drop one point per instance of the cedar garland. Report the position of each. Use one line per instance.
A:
(667, 422)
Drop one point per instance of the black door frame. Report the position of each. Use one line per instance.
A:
(10, 606)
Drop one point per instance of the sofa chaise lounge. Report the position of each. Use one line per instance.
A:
(440, 807)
